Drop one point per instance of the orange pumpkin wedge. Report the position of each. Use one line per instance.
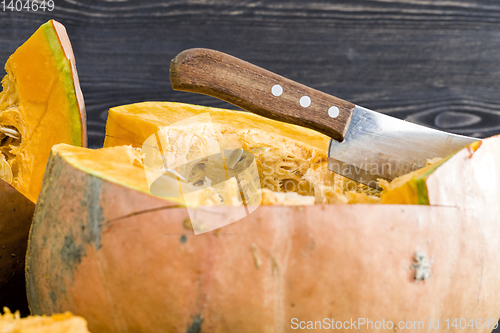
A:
(41, 105)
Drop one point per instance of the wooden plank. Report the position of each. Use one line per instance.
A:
(432, 62)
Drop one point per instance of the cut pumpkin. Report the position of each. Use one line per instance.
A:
(57, 323)
(289, 158)
(129, 261)
(41, 105)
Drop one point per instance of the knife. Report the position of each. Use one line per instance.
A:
(365, 145)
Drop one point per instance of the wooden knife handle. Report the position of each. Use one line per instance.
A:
(259, 91)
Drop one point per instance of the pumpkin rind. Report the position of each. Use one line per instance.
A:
(15, 221)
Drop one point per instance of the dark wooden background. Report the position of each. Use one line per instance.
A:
(436, 63)
(433, 62)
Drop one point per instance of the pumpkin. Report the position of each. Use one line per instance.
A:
(57, 323)
(41, 104)
(102, 247)
(289, 158)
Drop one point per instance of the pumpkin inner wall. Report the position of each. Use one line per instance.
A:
(290, 159)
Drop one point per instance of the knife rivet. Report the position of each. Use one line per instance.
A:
(333, 112)
(305, 101)
(277, 90)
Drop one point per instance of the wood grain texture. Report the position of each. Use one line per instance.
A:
(250, 87)
(432, 62)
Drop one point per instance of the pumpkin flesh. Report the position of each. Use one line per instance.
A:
(57, 323)
(40, 105)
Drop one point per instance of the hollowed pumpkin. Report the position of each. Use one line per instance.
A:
(104, 248)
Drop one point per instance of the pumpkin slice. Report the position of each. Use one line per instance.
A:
(41, 104)
(57, 323)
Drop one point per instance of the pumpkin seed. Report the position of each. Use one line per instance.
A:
(258, 150)
(174, 174)
(10, 132)
(234, 158)
(5, 170)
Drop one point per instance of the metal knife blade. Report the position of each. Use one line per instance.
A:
(365, 145)
(379, 146)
